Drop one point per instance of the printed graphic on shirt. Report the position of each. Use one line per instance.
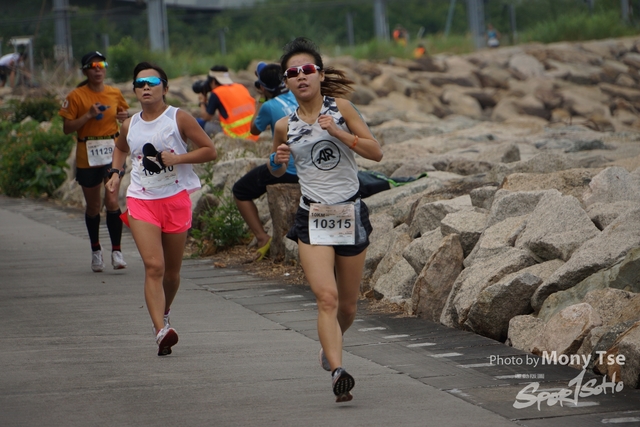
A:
(325, 155)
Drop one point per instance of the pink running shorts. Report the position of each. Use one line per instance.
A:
(171, 214)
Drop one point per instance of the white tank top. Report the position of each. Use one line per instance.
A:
(327, 168)
(164, 135)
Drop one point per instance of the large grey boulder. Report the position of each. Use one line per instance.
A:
(601, 252)
(499, 303)
(428, 216)
(380, 241)
(622, 276)
(497, 239)
(483, 197)
(612, 185)
(544, 162)
(565, 331)
(397, 284)
(627, 346)
(603, 214)
(570, 182)
(475, 279)
(524, 331)
(556, 227)
(394, 253)
(433, 285)
(507, 204)
(418, 252)
(468, 224)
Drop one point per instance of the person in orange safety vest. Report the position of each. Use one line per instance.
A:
(232, 101)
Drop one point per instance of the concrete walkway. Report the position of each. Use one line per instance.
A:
(77, 350)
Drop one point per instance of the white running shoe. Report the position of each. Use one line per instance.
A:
(166, 338)
(117, 260)
(323, 361)
(97, 263)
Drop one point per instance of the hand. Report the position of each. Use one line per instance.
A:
(95, 110)
(283, 152)
(113, 183)
(122, 114)
(327, 123)
(169, 158)
(202, 98)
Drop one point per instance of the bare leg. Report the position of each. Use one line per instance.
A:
(148, 238)
(249, 213)
(173, 245)
(318, 265)
(93, 198)
(348, 276)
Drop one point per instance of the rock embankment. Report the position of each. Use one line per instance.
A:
(527, 227)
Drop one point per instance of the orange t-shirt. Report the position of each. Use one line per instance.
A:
(78, 102)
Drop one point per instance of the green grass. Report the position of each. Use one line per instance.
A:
(578, 27)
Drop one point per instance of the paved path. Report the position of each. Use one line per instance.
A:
(76, 350)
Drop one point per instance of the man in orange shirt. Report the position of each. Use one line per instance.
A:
(233, 102)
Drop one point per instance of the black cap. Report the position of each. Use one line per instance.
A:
(89, 56)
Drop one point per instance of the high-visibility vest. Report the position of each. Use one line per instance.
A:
(240, 107)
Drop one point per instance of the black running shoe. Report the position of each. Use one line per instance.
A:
(342, 385)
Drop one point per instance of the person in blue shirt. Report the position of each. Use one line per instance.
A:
(276, 102)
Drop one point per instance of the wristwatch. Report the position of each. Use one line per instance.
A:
(114, 170)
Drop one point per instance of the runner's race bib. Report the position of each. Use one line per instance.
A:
(332, 224)
(166, 176)
(100, 151)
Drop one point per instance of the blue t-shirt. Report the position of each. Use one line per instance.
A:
(272, 111)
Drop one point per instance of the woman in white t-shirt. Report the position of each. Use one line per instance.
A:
(332, 225)
(158, 203)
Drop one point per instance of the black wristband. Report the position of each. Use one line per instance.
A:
(114, 170)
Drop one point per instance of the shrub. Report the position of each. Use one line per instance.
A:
(221, 224)
(32, 160)
(579, 26)
(40, 109)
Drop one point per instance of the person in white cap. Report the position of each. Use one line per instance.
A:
(232, 101)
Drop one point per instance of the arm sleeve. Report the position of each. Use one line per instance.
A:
(69, 108)
(263, 119)
(214, 105)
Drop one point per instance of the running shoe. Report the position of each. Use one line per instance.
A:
(166, 338)
(166, 324)
(323, 361)
(117, 260)
(97, 263)
(342, 384)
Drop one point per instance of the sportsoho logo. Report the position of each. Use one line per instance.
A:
(325, 155)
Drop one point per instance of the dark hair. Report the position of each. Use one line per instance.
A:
(148, 66)
(271, 78)
(221, 68)
(335, 81)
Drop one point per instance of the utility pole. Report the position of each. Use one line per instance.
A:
(452, 8)
(512, 21)
(475, 12)
(158, 27)
(380, 19)
(624, 9)
(350, 35)
(62, 50)
(223, 40)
